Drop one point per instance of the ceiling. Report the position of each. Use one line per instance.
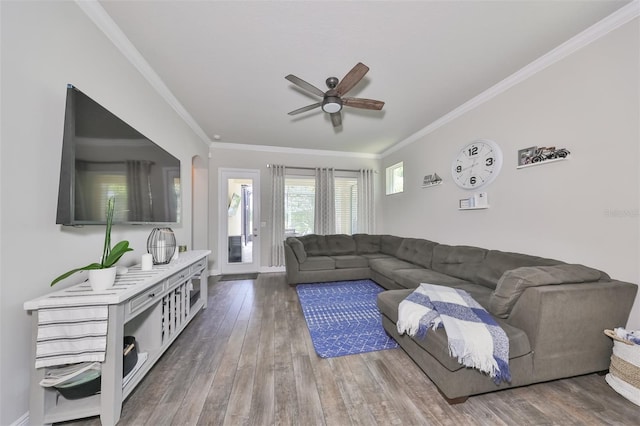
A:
(225, 61)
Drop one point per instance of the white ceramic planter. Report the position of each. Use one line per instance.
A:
(102, 279)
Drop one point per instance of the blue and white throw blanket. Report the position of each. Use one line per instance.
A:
(475, 338)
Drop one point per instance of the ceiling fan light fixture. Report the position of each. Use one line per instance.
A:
(331, 104)
(332, 101)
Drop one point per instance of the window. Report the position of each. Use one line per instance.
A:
(395, 175)
(346, 193)
(299, 204)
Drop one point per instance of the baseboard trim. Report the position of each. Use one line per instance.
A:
(270, 269)
(261, 270)
(22, 420)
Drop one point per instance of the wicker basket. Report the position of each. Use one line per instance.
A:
(624, 372)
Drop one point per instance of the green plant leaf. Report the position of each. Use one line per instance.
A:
(73, 271)
(116, 253)
(106, 249)
(109, 255)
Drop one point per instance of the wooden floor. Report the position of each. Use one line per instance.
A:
(248, 360)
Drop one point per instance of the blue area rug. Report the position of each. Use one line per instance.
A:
(343, 318)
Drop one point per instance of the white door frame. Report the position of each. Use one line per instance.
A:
(224, 174)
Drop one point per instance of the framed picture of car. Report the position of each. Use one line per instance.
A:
(525, 155)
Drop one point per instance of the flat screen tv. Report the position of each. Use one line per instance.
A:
(104, 157)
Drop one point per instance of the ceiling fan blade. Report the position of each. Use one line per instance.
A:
(362, 103)
(336, 119)
(352, 78)
(305, 109)
(306, 86)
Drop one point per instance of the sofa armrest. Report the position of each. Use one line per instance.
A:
(514, 282)
(292, 266)
(565, 324)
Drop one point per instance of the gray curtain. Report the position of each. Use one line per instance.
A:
(366, 212)
(325, 209)
(139, 190)
(278, 174)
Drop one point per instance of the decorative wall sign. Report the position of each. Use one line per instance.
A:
(431, 180)
(537, 155)
(525, 155)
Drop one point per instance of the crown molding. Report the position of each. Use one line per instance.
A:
(586, 37)
(301, 151)
(103, 21)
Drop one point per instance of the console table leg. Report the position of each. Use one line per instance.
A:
(37, 395)
(111, 392)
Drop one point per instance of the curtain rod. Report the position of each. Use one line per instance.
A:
(313, 168)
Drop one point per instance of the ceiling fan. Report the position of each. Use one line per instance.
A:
(333, 100)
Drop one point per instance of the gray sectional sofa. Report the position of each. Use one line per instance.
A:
(553, 313)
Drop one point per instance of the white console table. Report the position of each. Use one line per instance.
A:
(154, 306)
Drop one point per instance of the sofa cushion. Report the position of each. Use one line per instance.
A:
(350, 261)
(458, 261)
(480, 294)
(416, 251)
(498, 262)
(318, 263)
(375, 255)
(315, 245)
(367, 244)
(436, 342)
(411, 278)
(298, 248)
(340, 244)
(389, 244)
(513, 283)
(386, 265)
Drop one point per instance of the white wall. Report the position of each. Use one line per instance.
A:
(200, 200)
(46, 45)
(584, 210)
(258, 160)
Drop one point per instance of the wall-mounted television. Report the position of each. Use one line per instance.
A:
(104, 157)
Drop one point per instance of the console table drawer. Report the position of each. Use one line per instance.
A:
(177, 278)
(197, 267)
(146, 298)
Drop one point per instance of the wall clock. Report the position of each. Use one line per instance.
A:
(477, 164)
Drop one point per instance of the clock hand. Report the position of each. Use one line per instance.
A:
(475, 162)
(470, 168)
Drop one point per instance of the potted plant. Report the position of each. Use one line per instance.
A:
(110, 255)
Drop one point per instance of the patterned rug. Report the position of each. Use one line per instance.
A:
(343, 318)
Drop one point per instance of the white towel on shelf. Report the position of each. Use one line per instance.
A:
(71, 334)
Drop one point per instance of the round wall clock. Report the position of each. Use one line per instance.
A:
(477, 164)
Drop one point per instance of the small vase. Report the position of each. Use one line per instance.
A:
(102, 279)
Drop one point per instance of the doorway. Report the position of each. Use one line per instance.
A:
(239, 221)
